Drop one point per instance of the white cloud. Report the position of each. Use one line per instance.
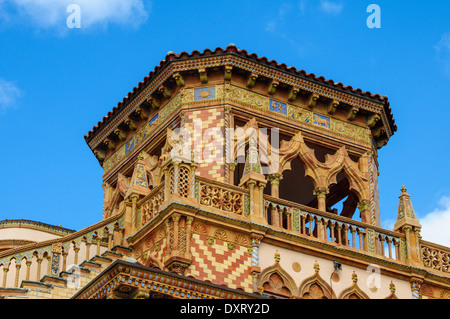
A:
(52, 14)
(8, 95)
(443, 52)
(436, 224)
(331, 7)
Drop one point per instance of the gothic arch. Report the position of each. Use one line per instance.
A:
(274, 279)
(358, 179)
(315, 287)
(353, 292)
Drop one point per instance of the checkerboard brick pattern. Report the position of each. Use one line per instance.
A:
(211, 139)
(219, 264)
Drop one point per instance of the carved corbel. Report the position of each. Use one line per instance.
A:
(179, 79)
(100, 154)
(312, 100)
(143, 112)
(165, 91)
(377, 132)
(110, 144)
(292, 94)
(153, 102)
(351, 113)
(228, 70)
(131, 123)
(203, 75)
(332, 106)
(251, 80)
(372, 120)
(381, 142)
(121, 134)
(272, 87)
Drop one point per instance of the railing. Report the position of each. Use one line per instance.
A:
(435, 256)
(225, 197)
(150, 205)
(50, 257)
(333, 229)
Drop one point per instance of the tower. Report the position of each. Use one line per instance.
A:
(227, 175)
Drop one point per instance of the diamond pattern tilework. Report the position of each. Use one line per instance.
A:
(219, 264)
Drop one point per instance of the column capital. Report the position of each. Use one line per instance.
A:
(275, 178)
(364, 205)
(321, 191)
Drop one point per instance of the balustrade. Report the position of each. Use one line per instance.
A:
(49, 258)
(435, 256)
(332, 229)
(221, 196)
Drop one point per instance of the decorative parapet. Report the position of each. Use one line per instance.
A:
(102, 234)
(435, 256)
(334, 229)
(228, 198)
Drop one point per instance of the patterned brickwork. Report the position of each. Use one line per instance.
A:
(219, 264)
(209, 143)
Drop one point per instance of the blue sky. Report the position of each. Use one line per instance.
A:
(56, 83)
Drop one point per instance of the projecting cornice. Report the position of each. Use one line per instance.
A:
(172, 73)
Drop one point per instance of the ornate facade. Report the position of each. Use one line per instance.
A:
(230, 176)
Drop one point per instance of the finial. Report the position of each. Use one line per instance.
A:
(354, 277)
(392, 287)
(403, 189)
(316, 266)
(277, 257)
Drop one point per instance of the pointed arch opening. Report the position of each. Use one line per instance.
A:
(295, 186)
(341, 200)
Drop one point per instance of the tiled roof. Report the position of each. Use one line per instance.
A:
(232, 49)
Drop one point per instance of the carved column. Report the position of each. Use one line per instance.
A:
(118, 235)
(339, 233)
(193, 168)
(251, 186)
(364, 208)
(232, 169)
(353, 231)
(176, 176)
(289, 220)
(176, 221)
(275, 216)
(49, 265)
(134, 216)
(188, 233)
(27, 276)
(109, 241)
(16, 281)
(99, 240)
(275, 180)
(166, 173)
(5, 276)
(320, 230)
(255, 269)
(38, 273)
(88, 248)
(64, 263)
(416, 284)
(321, 194)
